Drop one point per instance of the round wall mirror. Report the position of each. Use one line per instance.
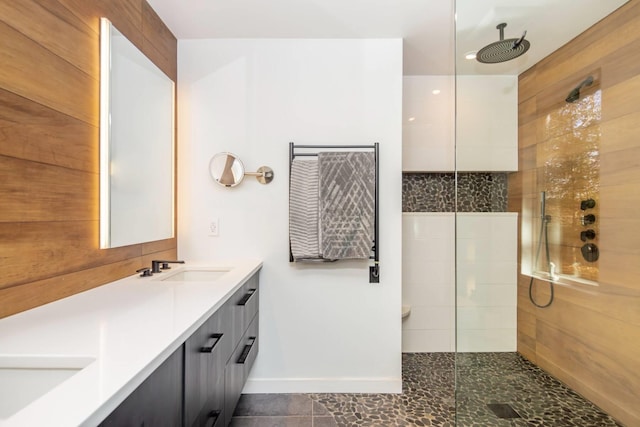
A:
(226, 169)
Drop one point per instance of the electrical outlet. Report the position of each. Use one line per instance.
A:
(214, 227)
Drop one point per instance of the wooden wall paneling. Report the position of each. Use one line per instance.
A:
(33, 191)
(527, 323)
(158, 246)
(32, 131)
(622, 64)
(621, 133)
(620, 167)
(590, 326)
(619, 201)
(529, 181)
(54, 27)
(620, 235)
(45, 249)
(621, 99)
(568, 357)
(527, 85)
(621, 269)
(514, 204)
(126, 15)
(523, 294)
(527, 156)
(49, 147)
(527, 134)
(592, 45)
(527, 111)
(526, 347)
(618, 303)
(32, 71)
(159, 42)
(20, 298)
(163, 63)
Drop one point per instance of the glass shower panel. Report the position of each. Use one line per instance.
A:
(532, 199)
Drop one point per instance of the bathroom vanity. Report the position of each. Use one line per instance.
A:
(167, 350)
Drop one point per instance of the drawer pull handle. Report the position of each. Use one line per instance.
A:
(245, 351)
(209, 348)
(213, 418)
(246, 297)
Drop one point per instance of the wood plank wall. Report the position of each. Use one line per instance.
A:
(589, 338)
(49, 104)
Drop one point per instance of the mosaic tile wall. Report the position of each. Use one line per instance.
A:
(435, 192)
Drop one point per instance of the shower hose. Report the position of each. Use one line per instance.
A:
(543, 231)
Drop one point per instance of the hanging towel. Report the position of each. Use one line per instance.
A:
(347, 204)
(303, 210)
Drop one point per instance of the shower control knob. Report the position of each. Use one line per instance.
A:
(587, 235)
(590, 252)
(588, 219)
(587, 204)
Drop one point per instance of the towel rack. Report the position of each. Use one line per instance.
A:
(302, 150)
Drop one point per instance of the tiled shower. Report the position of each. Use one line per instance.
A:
(456, 225)
(482, 241)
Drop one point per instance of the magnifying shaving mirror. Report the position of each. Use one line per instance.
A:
(228, 170)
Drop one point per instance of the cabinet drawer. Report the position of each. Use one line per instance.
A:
(156, 402)
(240, 310)
(239, 366)
(214, 418)
(213, 413)
(204, 372)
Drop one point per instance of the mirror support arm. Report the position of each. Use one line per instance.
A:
(264, 175)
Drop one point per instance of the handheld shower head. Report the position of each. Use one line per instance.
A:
(574, 95)
(543, 207)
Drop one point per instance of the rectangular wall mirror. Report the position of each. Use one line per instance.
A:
(136, 144)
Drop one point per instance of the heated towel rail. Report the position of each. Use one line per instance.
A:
(312, 151)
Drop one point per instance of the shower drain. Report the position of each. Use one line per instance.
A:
(503, 410)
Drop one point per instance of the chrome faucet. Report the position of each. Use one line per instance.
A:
(155, 265)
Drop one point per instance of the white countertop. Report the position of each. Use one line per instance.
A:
(125, 329)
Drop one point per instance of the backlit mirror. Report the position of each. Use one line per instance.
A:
(136, 144)
(226, 169)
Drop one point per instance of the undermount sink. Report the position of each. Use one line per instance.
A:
(195, 275)
(25, 378)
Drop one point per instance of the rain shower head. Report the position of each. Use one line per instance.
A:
(574, 95)
(503, 50)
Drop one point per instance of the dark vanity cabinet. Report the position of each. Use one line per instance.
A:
(204, 366)
(218, 357)
(242, 310)
(157, 401)
(200, 383)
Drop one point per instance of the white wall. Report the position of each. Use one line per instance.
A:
(322, 327)
(487, 123)
(471, 124)
(487, 290)
(428, 281)
(481, 247)
(428, 123)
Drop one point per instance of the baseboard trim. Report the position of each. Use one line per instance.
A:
(323, 385)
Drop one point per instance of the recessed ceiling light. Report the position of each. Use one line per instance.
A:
(411, 119)
(436, 91)
(470, 55)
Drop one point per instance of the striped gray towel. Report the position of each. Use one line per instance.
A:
(347, 204)
(303, 210)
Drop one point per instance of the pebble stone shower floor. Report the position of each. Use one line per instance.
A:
(428, 398)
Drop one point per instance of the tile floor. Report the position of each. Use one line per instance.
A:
(428, 398)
